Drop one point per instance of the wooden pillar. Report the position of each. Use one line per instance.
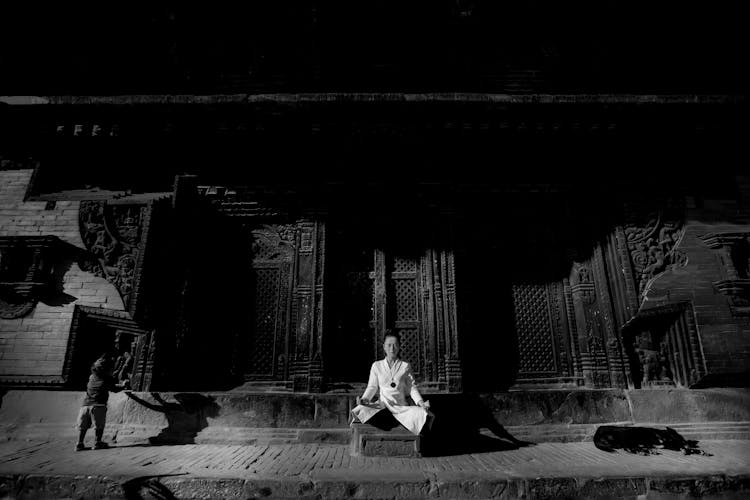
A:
(447, 268)
(307, 308)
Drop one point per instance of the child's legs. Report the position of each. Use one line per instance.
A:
(99, 416)
(83, 422)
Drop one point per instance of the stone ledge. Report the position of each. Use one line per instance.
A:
(544, 416)
(393, 485)
(370, 441)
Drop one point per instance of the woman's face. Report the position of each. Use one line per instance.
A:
(390, 346)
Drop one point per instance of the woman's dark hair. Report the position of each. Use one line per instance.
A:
(391, 333)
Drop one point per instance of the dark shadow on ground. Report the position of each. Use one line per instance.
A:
(459, 420)
(185, 418)
(134, 445)
(142, 487)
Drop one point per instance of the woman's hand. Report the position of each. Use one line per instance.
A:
(424, 404)
(364, 401)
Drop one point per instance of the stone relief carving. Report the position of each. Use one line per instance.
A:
(652, 248)
(112, 234)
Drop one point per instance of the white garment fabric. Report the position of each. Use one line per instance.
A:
(393, 398)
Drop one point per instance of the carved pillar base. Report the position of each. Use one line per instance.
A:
(618, 371)
(315, 381)
(300, 375)
(299, 383)
(595, 372)
(454, 375)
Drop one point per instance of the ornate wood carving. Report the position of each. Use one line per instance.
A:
(541, 326)
(663, 347)
(652, 244)
(536, 343)
(415, 296)
(589, 325)
(611, 291)
(273, 249)
(113, 233)
(93, 331)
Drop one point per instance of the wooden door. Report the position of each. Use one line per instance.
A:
(398, 290)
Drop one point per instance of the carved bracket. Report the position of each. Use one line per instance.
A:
(652, 247)
(112, 234)
(26, 272)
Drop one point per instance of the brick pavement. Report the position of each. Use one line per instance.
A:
(323, 471)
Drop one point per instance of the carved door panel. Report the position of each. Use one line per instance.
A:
(544, 352)
(273, 258)
(398, 290)
(263, 351)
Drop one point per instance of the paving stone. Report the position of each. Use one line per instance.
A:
(44, 469)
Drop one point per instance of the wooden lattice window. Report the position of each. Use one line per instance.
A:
(536, 337)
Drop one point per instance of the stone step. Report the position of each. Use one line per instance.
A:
(585, 432)
(369, 441)
(130, 433)
(548, 470)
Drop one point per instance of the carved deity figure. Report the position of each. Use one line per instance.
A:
(653, 362)
(124, 362)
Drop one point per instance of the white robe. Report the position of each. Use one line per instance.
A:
(393, 398)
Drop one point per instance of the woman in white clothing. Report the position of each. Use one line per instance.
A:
(392, 379)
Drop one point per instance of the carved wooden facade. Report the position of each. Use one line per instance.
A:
(663, 347)
(286, 341)
(415, 297)
(587, 329)
(583, 329)
(115, 236)
(413, 294)
(118, 236)
(546, 346)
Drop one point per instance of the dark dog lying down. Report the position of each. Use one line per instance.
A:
(643, 440)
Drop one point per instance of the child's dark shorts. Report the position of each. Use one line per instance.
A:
(96, 414)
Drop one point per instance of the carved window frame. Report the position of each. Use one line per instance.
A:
(731, 284)
(687, 363)
(83, 317)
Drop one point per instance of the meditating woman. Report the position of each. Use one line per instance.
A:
(393, 380)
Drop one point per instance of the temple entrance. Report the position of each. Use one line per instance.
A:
(401, 282)
(397, 307)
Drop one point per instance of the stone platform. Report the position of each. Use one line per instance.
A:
(51, 469)
(285, 418)
(369, 441)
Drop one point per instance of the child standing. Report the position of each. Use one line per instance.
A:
(94, 408)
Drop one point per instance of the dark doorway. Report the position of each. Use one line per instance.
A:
(485, 314)
(349, 303)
